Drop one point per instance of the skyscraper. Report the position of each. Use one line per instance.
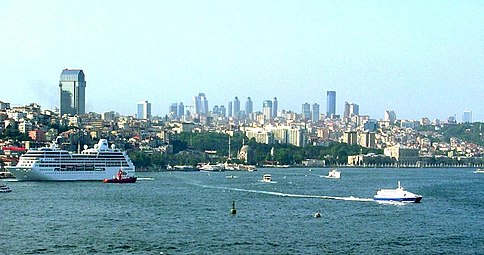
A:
(216, 109)
(274, 108)
(467, 117)
(346, 113)
(267, 109)
(229, 109)
(331, 103)
(306, 111)
(72, 86)
(315, 112)
(143, 110)
(181, 109)
(354, 109)
(223, 111)
(249, 106)
(390, 116)
(173, 110)
(236, 107)
(200, 104)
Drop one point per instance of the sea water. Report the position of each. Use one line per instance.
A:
(189, 213)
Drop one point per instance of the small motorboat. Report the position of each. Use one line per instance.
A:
(333, 174)
(121, 178)
(267, 178)
(396, 195)
(4, 188)
(479, 171)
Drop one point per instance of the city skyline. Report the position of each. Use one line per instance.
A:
(416, 59)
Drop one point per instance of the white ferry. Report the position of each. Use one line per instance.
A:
(54, 164)
(396, 195)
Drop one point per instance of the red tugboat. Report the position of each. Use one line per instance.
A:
(120, 178)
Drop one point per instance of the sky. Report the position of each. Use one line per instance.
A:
(417, 58)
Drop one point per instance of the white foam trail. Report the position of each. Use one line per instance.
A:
(350, 198)
(145, 179)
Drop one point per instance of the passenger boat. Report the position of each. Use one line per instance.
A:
(207, 167)
(333, 174)
(4, 188)
(54, 164)
(267, 178)
(396, 195)
(121, 178)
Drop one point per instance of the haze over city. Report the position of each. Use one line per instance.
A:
(419, 59)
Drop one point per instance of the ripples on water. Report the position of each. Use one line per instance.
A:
(189, 213)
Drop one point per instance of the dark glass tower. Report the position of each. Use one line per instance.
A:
(72, 86)
(331, 103)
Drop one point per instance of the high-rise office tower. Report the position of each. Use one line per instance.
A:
(315, 113)
(331, 103)
(230, 109)
(346, 113)
(467, 117)
(173, 111)
(274, 108)
(143, 110)
(72, 86)
(267, 109)
(223, 111)
(354, 109)
(249, 106)
(351, 109)
(236, 107)
(306, 111)
(390, 116)
(216, 109)
(200, 103)
(181, 109)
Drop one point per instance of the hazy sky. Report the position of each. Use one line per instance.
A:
(418, 58)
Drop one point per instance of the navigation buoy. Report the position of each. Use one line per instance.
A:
(233, 210)
(317, 215)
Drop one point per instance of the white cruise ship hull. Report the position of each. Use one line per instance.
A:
(49, 174)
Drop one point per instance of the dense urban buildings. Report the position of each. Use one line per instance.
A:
(72, 86)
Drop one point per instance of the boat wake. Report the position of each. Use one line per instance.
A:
(350, 198)
(146, 179)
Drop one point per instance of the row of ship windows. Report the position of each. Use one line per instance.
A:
(68, 156)
(84, 166)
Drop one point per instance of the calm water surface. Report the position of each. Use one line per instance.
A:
(189, 213)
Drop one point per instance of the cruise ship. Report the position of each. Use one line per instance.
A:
(54, 164)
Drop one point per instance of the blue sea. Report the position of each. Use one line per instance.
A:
(189, 213)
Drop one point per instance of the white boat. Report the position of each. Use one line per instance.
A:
(4, 188)
(479, 171)
(267, 178)
(333, 174)
(54, 164)
(396, 195)
(207, 167)
(250, 168)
